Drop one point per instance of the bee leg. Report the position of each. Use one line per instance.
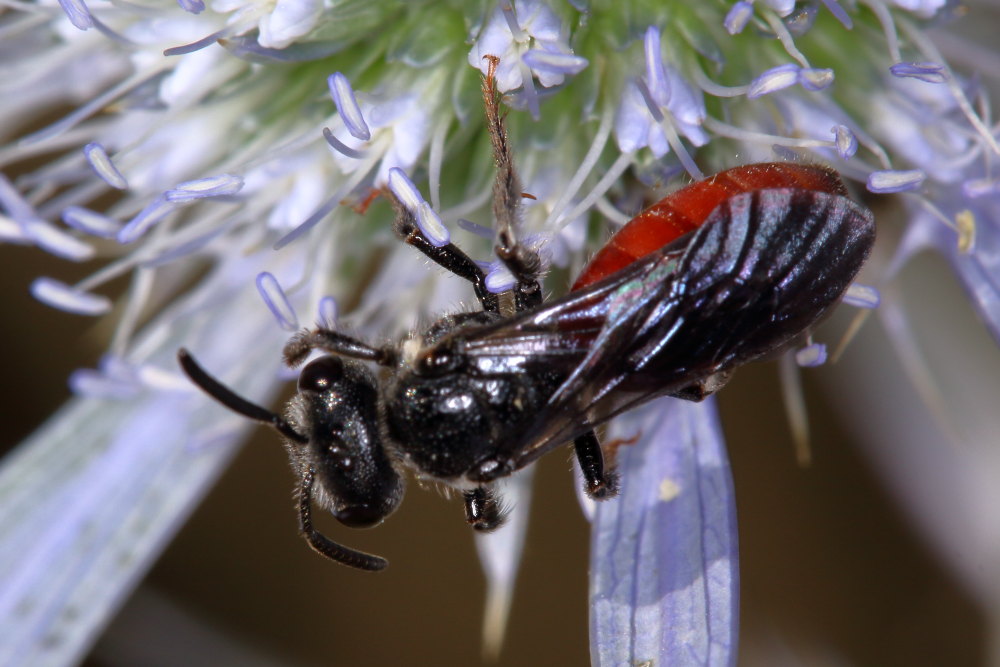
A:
(521, 260)
(448, 256)
(599, 482)
(484, 510)
(526, 267)
(301, 344)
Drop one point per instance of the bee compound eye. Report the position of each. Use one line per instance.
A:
(320, 374)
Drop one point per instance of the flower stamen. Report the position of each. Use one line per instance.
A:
(103, 166)
(844, 141)
(607, 209)
(554, 63)
(212, 186)
(811, 355)
(750, 136)
(347, 106)
(477, 229)
(135, 303)
(928, 72)
(793, 397)
(839, 13)
(435, 160)
(69, 299)
(895, 180)
(327, 312)
(785, 37)
(427, 218)
(94, 105)
(621, 163)
(928, 49)
(737, 17)
(331, 203)
(113, 380)
(888, 28)
(862, 296)
(712, 88)
(153, 213)
(43, 234)
(91, 222)
(77, 13)
(199, 44)
(528, 93)
(277, 301)
(587, 165)
(341, 147)
(510, 16)
(656, 75)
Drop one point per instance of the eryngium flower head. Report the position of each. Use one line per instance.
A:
(217, 161)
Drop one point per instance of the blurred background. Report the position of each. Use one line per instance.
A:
(832, 574)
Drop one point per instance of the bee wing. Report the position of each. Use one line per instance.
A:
(763, 269)
(561, 335)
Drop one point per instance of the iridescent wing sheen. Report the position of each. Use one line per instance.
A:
(762, 270)
(559, 335)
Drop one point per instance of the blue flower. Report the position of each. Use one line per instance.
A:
(221, 158)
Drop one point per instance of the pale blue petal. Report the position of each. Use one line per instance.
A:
(664, 579)
(91, 499)
(500, 555)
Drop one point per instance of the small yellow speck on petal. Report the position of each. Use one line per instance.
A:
(669, 490)
(966, 223)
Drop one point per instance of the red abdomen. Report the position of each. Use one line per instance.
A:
(685, 210)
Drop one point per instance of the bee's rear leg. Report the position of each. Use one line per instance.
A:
(599, 481)
(484, 509)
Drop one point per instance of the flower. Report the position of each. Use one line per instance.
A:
(218, 161)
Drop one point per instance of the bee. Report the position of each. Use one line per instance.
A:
(727, 270)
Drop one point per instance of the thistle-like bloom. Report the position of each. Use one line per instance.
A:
(237, 145)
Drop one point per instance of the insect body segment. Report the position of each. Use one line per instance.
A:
(684, 211)
(763, 269)
(719, 274)
(338, 461)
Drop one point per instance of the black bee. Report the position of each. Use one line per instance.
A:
(479, 395)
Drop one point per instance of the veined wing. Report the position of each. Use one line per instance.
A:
(762, 270)
(558, 336)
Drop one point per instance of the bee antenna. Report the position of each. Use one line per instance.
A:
(322, 544)
(234, 402)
